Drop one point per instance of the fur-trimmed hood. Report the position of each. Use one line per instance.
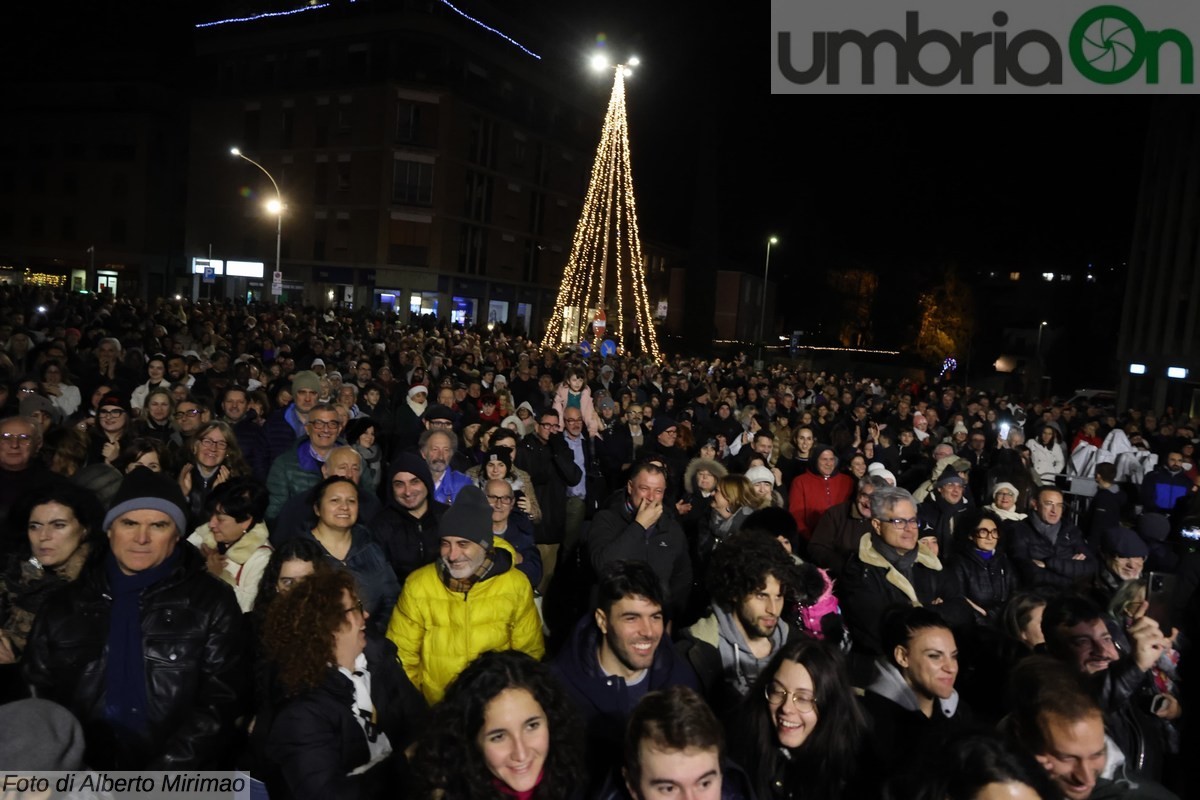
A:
(697, 464)
(873, 558)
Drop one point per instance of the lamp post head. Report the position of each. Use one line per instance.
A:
(773, 240)
(233, 151)
(274, 206)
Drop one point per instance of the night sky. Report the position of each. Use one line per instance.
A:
(890, 183)
(898, 185)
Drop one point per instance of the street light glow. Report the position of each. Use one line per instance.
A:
(633, 62)
(599, 62)
(773, 240)
(233, 151)
(273, 206)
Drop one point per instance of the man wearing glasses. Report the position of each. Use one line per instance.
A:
(190, 416)
(1048, 550)
(516, 529)
(20, 472)
(891, 568)
(298, 469)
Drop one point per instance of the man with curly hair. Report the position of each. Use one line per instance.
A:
(748, 579)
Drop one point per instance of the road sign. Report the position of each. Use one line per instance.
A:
(585, 348)
(276, 283)
(210, 275)
(608, 348)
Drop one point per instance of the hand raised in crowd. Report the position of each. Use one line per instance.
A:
(1148, 639)
(110, 451)
(683, 507)
(649, 512)
(185, 479)
(222, 476)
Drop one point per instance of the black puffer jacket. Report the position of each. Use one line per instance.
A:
(196, 685)
(317, 742)
(987, 583)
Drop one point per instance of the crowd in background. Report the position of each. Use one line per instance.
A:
(348, 553)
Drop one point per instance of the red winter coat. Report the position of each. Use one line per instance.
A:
(812, 495)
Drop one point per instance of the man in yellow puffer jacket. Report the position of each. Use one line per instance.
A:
(469, 601)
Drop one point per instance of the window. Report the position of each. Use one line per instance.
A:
(408, 118)
(412, 182)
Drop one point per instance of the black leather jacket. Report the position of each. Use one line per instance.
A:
(196, 686)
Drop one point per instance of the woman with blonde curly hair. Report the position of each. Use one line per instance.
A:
(733, 501)
(350, 710)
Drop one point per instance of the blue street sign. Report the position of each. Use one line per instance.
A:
(608, 348)
(210, 275)
(585, 348)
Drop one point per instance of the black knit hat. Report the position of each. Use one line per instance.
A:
(144, 489)
(469, 517)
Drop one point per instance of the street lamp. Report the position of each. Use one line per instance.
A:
(762, 306)
(273, 206)
(1039, 341)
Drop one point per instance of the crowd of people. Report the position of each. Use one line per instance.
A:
(355, 556)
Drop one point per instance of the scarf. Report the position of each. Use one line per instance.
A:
(417, 408)
(875, 552)
(986, 555)
(1050, 532)
(364, 712)
(463, 585)
(1005, 514)
(125, 670)
(506, 790)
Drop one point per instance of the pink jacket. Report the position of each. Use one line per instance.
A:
(590, 418)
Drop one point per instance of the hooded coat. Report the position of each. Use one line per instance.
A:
(408, 542)
(812, 494)
(901, 732)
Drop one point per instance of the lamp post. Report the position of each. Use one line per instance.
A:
(762, 306)
(1039, 341)
(273, 206)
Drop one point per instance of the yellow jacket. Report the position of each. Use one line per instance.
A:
(438, 632)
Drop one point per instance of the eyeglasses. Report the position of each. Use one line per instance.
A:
(27, 390)
(356, 607)
(502, 500)
(901, 522)
(110, 412)
(554, 426)
(1048, 504)
(777, 696)
(191, 412)
(987, 533)
(215, 444)
(326, 425)
(19, 439)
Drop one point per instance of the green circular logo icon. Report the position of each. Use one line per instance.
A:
(1105, 44)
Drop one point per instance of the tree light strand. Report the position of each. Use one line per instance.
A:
(606, 238)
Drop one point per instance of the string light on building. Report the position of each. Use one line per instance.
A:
(606, 243)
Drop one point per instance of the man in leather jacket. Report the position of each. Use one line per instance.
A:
(145, 648)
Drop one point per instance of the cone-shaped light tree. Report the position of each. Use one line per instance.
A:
(605, 270)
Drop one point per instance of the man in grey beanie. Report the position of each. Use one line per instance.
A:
(145, 648)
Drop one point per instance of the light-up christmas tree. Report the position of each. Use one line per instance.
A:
(606, 250)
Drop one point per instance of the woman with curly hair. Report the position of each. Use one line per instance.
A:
(801, 733)
(351, 711)
(505, 729)
(215, 458)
